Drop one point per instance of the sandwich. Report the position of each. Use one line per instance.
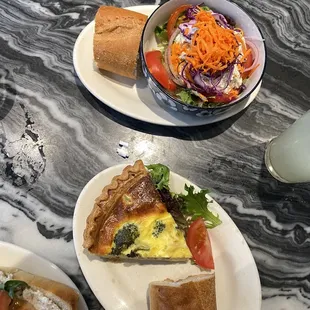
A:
(20, 290)
(136, 216)
(195, 292)
(116, 40)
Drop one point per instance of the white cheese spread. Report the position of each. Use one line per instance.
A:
(38, 299)
(235, 82)
(5, 277)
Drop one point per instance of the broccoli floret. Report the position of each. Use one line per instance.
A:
(124, 238)
(158, 228)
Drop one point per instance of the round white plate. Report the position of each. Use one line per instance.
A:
(13, 256)
(120, 286)
(133, 98)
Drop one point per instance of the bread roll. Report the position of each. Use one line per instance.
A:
(193, 293)
(62, 295)
(116, 40)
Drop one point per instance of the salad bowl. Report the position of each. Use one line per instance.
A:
(235, 15)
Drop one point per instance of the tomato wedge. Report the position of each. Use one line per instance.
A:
(247, 64)
(199, 244)
(154, 61)
(5, 300)
(174, 17)
(224, 98)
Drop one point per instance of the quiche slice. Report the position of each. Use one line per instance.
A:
(129, 219)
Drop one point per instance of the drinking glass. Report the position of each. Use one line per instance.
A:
(287, 156)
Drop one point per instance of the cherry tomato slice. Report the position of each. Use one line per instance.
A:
(224, 98)
(154, 61)
(174, 17)
(199, 244)
(5, 300)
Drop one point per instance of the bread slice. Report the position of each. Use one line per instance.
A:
(193, 293)
(42, 292)
(117, 39)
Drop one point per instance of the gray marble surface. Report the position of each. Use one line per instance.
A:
(54, 137)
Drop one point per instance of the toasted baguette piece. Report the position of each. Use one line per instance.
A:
(193, 293)
(116, 40)
(64, 296)
(21, 305)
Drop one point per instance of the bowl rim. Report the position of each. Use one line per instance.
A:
(181, 102)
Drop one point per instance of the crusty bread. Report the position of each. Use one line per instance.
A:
(116, 40)
(18, 305)
(63, 295)
(193, 293)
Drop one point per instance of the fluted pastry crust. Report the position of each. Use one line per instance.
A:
(111, 210)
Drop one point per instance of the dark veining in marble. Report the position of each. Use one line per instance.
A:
(55, 136)
(23, 154)
(54, 234)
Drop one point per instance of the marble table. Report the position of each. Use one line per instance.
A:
(54, 137)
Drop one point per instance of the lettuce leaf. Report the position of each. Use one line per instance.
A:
(205, 8)
(160, 175)
(195, 205)
(187, 97)
(161, 33)
(192, 205)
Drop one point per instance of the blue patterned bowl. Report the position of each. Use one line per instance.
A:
(242, 19)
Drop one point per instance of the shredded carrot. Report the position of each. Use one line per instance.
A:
(233, 93)
(240, 68)
(212, 47)
(176, 51)
(246, 54)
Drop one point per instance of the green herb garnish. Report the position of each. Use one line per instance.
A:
(12, 286)
(160, 175)
(195, 205)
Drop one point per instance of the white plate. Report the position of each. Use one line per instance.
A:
(120, 286)
(132, 98)
(13, 256)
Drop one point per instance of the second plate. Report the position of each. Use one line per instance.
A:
(134, 98)
(13, 256)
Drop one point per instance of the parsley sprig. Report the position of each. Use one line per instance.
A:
(12, 286)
